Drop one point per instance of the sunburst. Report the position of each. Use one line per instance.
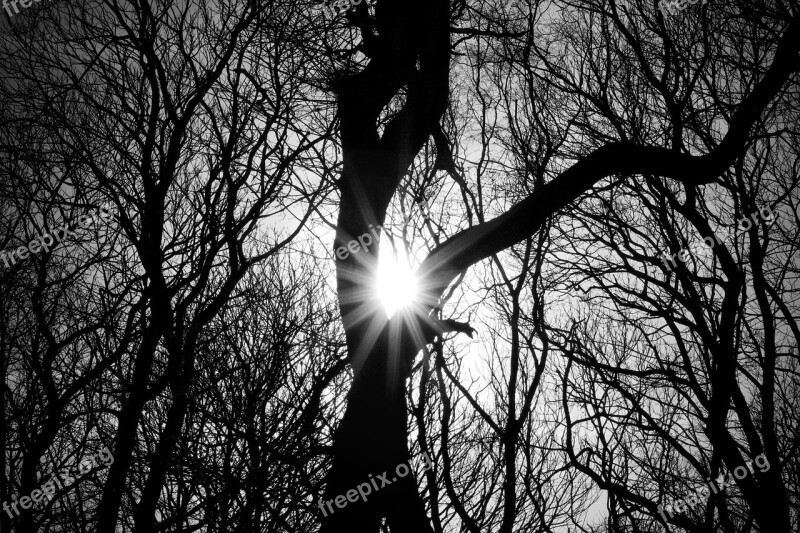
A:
(397, 285)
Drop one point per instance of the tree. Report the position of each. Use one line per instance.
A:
(543, 156)
(406, 78)
(182, 118)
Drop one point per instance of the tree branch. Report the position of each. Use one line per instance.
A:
(474, 244)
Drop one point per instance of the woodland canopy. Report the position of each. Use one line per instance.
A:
(524, 167)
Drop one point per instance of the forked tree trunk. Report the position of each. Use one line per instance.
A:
(410, 54)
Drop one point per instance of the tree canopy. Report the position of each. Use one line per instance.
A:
(542, 255)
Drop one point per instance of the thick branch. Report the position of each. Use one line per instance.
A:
(472, 245)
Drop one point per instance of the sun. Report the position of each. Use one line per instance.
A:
(397, 285)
